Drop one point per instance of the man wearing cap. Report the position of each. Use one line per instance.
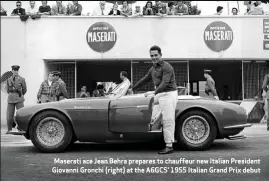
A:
(16, 89)
(210, 88)
(59, 86)
(266, 96)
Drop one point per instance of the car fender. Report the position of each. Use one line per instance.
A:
(197, 107)
(62, 111)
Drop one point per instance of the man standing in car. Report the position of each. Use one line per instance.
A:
(163, 76)
(123, 87)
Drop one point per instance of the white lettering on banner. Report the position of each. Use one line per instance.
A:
(99, 28)
(218, 35)
(101, 36)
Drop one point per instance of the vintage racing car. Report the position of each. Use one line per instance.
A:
(199, 121)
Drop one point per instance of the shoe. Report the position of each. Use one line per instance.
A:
(167, 150)
(19, 132)
(14, 125)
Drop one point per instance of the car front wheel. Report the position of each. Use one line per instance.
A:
(50, 131)
(196, 130)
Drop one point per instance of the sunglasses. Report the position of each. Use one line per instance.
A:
(18, 5)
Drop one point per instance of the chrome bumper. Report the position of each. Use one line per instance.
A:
(238, 126)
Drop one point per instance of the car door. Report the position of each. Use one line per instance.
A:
(130, 114)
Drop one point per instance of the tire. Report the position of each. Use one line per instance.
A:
(204, 129)
(50, 132)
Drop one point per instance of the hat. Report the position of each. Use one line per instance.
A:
(15, 67)
(207, 71)
(56, 73)
(219, 8)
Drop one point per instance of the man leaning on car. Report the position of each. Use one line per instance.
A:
(163, 76)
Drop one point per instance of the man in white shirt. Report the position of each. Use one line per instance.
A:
(32, 9)
(255, 8)
(122, 88)
(58, 9)
(101, 9)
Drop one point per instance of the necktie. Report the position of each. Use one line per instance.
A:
(14, 78)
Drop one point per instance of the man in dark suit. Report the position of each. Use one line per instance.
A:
(266, 96)
(210, 88)
(16, 88)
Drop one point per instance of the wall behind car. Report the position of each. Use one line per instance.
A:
(29, 43)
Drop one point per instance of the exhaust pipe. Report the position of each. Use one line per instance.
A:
(236, 137)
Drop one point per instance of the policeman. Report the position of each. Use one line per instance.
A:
(16, 88)
(59, 86)
(266, 97)
(210, 88)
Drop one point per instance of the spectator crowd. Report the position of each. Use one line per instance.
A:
(159, 8)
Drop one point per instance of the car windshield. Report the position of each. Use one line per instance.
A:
(119, 92)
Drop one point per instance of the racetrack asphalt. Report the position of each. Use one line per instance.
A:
(20, 160)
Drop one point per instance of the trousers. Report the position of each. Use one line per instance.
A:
(11, 111)
(167, 103)
(265, 96)
(266, 110)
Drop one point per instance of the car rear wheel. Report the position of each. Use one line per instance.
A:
(196, 130)
(50, 131)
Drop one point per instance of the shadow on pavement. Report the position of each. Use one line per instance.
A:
(130, 147)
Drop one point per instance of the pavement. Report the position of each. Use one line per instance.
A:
(20, 160)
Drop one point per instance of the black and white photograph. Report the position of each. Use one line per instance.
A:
(134, 90)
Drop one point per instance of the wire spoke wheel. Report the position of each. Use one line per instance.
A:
(195, 129)
(50, 131)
